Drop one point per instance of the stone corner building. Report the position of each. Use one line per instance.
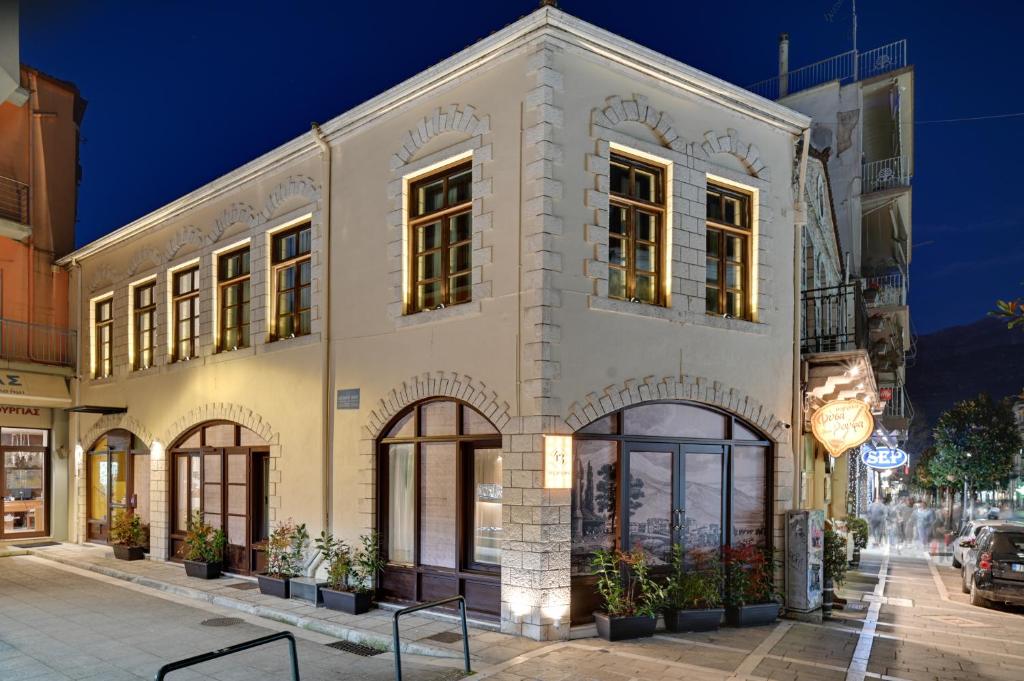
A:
(374, 327)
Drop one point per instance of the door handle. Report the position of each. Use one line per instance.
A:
(677, 514)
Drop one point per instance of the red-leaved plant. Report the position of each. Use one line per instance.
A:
(749, 575)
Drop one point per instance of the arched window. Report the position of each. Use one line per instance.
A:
(663, 473)
(222, 470)
(440, 485)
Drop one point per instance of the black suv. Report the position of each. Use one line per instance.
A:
(993, 566)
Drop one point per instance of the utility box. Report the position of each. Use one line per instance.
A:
(805, 546)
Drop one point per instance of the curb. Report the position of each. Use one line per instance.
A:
(309, 623)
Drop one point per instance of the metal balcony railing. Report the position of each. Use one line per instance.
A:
(14, 201)
(887, 173)
(834, 319)
(898, 405)
(847, 67)
(885, 290)
(24, 342)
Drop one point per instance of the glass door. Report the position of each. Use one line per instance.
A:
(650, 502)
(702, 511)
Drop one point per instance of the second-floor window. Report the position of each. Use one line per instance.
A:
(635, 226)
(233, 294)
(185, 301)
(728, 252)
(441, 235)
(144, 312)
(292, 276)
(104, 338)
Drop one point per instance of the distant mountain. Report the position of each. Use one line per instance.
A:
(958, 363)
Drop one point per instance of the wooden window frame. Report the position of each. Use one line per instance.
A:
(745, 233)
(295, 262)
(104, 367)
(444, 216)
(139, 312)
(223, 284)
(629, 238)
(193, 298)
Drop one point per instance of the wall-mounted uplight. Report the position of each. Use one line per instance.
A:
(557, 461)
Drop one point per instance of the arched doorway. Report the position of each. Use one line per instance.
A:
(663, 473)
(117, 478)
(222, 470)
(440, 483)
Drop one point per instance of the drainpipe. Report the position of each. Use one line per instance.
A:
(800, 213)
(327, 357)
(76, 397)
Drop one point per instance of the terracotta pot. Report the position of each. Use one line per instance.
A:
(622, 628)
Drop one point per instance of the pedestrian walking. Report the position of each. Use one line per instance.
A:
(876, 520)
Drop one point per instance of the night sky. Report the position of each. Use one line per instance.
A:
(180, 93)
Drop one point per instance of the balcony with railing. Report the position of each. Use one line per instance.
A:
(14, 201)
(887, 173)
(898, 412)
(885, 290)
(847, 67)
(833, 319)
(24, 342)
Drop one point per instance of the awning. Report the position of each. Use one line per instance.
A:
(33, 390)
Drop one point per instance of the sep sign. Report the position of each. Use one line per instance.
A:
(884, 457)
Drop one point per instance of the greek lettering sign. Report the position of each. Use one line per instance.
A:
(884, 458)
(842, 424)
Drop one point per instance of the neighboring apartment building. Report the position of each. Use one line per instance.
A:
(862, 107)
(393, 322)
(39, 134)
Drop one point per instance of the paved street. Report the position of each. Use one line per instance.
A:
(907, 621)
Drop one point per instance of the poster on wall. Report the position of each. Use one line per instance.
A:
(842, 424)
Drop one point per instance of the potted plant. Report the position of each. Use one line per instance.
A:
(350, 573)
(128, 536)
(834, 566)
(631, 598)
(750, 596)
(859, 528)
(286, 549)
(203, 549)
(693, 594)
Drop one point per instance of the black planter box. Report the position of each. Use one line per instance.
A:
(273, 586)
(756, 615)
(122, 552)
(693, 620)
(622, 628)
(350, 602)
(306, 589)
(201, 570)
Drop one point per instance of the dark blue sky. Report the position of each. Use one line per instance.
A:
(180, 93)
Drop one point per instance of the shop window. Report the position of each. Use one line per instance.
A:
(292, 271)
(636, 224)
(185, 302)
(24, 482)
(144, 324)
(233, 297)
(441, 236)
(728, 252)
(103, 333)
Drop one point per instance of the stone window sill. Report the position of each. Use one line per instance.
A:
(470, 309)
(286, 343)
(677, 316)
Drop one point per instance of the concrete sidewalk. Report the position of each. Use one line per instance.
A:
(419, 631)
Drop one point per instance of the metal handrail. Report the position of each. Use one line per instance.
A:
(424, 606)
(833, 319)
(31, 342)
(231, 650)
(885, 173)
(14, 200)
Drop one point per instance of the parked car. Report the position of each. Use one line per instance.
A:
(971, 529)
(993, 565)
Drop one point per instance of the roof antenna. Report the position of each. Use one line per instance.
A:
(831, 15)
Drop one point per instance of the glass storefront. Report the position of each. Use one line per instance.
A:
(24, 482)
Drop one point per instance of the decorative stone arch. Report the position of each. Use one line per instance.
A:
(456, 118)
(189, 235)
(295, 186)
(223, 411)
(144, 259)
(697, 389)
(729, 142)
(116, 422)
(237, 213)
(639, 110)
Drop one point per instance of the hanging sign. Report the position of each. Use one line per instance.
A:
(842, 424)
(884, 458)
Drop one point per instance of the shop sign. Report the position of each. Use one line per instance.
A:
(884, 458)
(842, 424)
(557, 461)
